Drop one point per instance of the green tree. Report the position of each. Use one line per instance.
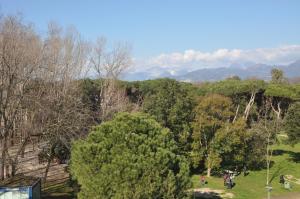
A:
(277, 76)
(280, 96)
(292, 123)
(172, 106)
(231, 143)
(239, 146)
(211, 113)
(90, 90)
(131, 156)
(246, 95)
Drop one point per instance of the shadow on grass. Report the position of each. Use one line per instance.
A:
(58, 190)
(280, 168)
(58, 197)
(206, 195)
(294, 156)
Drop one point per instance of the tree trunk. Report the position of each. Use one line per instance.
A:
(278, 111)
(13, 169)
(47, 167)
(236, 113)
(249, 105)
(23, 153)
(1, 171)
(12, 140)
(3, 158)
(21, 150)
(7, 171)
(208, 171)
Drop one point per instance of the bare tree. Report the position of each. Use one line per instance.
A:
(63, 113)
(269, 128)
(109, 66)
(40, 99)
(20, 53)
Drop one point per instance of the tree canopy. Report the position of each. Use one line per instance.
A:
(131, 156)
(172, 105)
(211, 113)
(292, 123)
(277, 76)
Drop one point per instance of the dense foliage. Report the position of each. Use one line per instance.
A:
(238, 146)
(131, 156)
(210, 121)
(217, 125)
(172, 105)
(211, 113)
(292, 123)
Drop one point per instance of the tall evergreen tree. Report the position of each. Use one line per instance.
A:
(130, 157)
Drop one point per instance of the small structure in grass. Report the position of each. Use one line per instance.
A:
(20, 187)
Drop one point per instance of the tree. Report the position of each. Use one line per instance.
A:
(131, 156)
(231, 143)
(211, 113)
(40, 99)
(109, 66)
(20, 50)
(38, 91)
(58, 104)
(292, 123)
(280, 96)
(277, 76)
(269, 128)
(172, 106)
(280, 93)
(239, 146)
(245, 94)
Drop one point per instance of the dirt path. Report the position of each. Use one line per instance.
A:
(287, 196)
(211, 193)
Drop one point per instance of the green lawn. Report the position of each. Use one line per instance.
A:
(286, 162)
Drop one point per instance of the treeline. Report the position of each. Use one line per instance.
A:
(216, 124)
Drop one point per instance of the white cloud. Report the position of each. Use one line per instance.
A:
(193, 59)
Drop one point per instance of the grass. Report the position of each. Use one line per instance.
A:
(286, 161)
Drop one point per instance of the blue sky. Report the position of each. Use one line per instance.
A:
(158, 29)
(154, 27)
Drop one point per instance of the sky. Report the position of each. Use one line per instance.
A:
(179, 34)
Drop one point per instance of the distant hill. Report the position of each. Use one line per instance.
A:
(261, 71)
(246, 70)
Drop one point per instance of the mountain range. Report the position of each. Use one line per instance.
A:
(249, 70)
